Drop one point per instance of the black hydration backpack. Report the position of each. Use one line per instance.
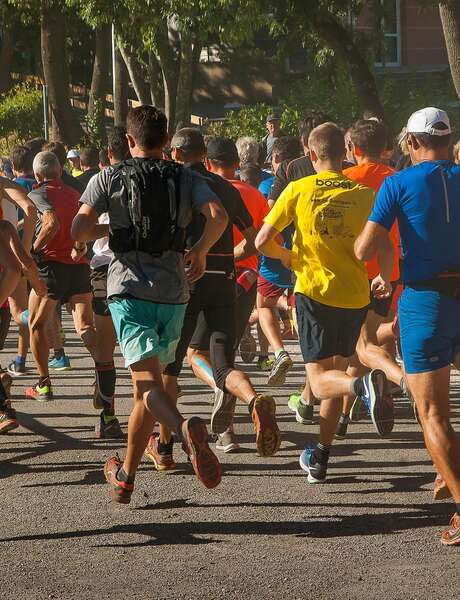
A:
(153, 189)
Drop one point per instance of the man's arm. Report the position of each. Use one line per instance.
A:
(216, 222)
(373, 238)
(246, 248)
(16, 195)
(85, 227)
(266, 245)
(49, 228)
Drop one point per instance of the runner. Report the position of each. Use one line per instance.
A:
(332, 291)
(367, 142)
(423, 199)
(62, 265)
(89, 161)
(210, 324)
(108, 425)
(147, 286)
(14, 260)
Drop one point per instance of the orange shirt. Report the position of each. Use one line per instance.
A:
(258, 209)
(372, 175)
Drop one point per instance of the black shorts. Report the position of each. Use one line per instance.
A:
(327, 331)
(382, 306)
(64, 281)
(99, 287)
(210, 320)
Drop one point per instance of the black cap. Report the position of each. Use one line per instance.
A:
(188, 139)
(223, 149)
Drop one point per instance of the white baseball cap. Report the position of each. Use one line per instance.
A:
(73, 153)
(424, 121)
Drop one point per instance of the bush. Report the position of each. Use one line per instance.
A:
(21, 116)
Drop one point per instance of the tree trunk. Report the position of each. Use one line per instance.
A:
(190, 51)
(450, 18)
(120, 102)
(6, 56)
(136, 74)
(100, 79)
(167, 40)
(67, 126)
(157, 90)
(340, 40)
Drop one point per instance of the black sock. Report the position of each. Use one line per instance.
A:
(122, 476)
(321, 454)
(44, 380)
(344, 418)
(106, 377)
(3, 397)
(251, 405)
(59, 353)
(263, 357)
(457, 508)
(357, 387)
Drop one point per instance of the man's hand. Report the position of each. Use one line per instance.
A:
(78, 252)
(380, 287)
(195, 264)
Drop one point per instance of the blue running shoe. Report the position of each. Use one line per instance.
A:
(378, 401)
(316, 471)
(60, 364)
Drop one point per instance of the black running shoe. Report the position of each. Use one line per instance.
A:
(342, 427)
(378, 402)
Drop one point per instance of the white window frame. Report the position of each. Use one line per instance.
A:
(396, 34)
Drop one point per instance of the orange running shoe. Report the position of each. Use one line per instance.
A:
(120, 491)
(195, 443)
(440, 489)
(8, 420)
(451, 536)
(268, 437)
(160, 454)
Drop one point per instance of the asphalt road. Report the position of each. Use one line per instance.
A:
(372, 531)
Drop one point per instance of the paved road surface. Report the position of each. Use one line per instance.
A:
(370, 532)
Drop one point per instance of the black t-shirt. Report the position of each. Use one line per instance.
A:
(84, 178)
(220, 259)
(290, 170)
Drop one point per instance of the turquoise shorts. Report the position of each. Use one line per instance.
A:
(146, 329)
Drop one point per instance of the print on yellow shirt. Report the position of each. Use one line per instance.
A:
(328, 212)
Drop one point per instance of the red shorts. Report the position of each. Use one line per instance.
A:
(270, 290)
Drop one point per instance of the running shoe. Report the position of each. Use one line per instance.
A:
(265, 363)
(8, 420)
(379, 404)
(120, 491)
(226, 441)
(109, 430)
(248, 346)
(195, 444)
(60, 364)
(39, 393)
(451, 537)
(160, 454)
(283, 363)
(440, 489)
(358, 410)
(303, 412)
(268, 437)
(316, 471)
(342, 427)
(222, 412)
(16, 369)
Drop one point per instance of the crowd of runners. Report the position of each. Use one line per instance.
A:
(181, 249)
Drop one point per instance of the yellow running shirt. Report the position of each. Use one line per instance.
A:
(328, 212)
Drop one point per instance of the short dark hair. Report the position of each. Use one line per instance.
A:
(35, 145)
(328, 141)
(89, 157)
(434, 142)
(58, 149)
(117, 143)
(309, 122)
(370, 136)
(104, 158)
(286, 148)
(251, 174)
(148, 126)
(222, 151)
(22, 159)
